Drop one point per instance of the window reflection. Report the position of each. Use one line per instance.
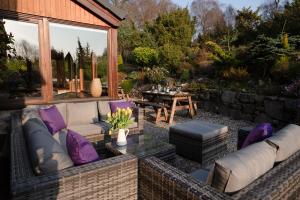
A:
(19, 60)
(74, 50)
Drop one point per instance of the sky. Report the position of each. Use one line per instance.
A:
(235, 3)
(62, 37)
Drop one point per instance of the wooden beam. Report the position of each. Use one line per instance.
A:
(94, 66)
(45, 60)
(99, 11)
(112, 72)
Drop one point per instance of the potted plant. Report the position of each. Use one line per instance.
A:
(120, 120)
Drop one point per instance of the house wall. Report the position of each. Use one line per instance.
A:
(57, 9)
(67, 12)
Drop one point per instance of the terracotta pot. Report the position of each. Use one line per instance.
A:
(96, 87)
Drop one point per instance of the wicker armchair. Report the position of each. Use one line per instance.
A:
(111, 178)
(159, 180)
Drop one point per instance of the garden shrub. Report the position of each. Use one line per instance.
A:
(185, 76)
(235, 74)
(127, 85)
(171, 56)
(144, 56)
(220, 56)
(156, 75)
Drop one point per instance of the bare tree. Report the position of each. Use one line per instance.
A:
(208, 15)
(118, 3)
(270, 8)
(229, 15)
(142, 11)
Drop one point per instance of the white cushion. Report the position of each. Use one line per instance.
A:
(287, 141)
(237, 170)
(82, 113)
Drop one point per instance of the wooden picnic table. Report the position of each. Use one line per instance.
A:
(175, 100)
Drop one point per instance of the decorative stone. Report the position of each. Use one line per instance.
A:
(246, 98)
(262, 118)
(228, 97)
(259, 99)
(290, 104)
(274, 109)
(249, 108)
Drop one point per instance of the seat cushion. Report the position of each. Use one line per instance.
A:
(61, 137)
(91, 129)
(286, 141)
(198, 130)
(80, 150)
(44, 151)
(104, 109)
(237, 170)
(53, 119)
(82, 113)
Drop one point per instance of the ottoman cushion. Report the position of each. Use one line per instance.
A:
(199, 130)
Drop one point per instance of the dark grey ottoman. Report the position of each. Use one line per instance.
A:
(199, 141)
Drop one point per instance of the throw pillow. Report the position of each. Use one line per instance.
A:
(259, 133)
(114, 105)
(53, 119)
(80, 149)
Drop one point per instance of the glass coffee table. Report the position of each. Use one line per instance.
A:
(142, 146)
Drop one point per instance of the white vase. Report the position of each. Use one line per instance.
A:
(96, 87)
(122, 135)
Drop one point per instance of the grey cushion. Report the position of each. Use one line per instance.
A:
(199, 130)
(82, 113)
(287, 141)
(237, 170)
(61, 138)
(104, 109)
(91, 129)
(29, 113)
(45, 152)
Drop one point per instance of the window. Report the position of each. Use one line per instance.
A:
(72, 51)
(19, 60)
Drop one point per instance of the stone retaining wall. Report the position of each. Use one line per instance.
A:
(252, 107)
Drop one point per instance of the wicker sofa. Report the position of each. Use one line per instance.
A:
(160, 180)
(74, 112)
(111, 178)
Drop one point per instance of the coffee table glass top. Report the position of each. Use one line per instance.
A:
(141, 146)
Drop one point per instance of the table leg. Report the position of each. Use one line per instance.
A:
(173, 109)
(191, 108)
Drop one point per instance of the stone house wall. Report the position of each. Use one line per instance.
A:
(252, 107)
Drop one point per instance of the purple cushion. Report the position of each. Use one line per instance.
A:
(259, 133)
(119, 104)
(53, 119)
(80, 149)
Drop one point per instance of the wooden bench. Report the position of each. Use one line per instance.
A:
(160, 110)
